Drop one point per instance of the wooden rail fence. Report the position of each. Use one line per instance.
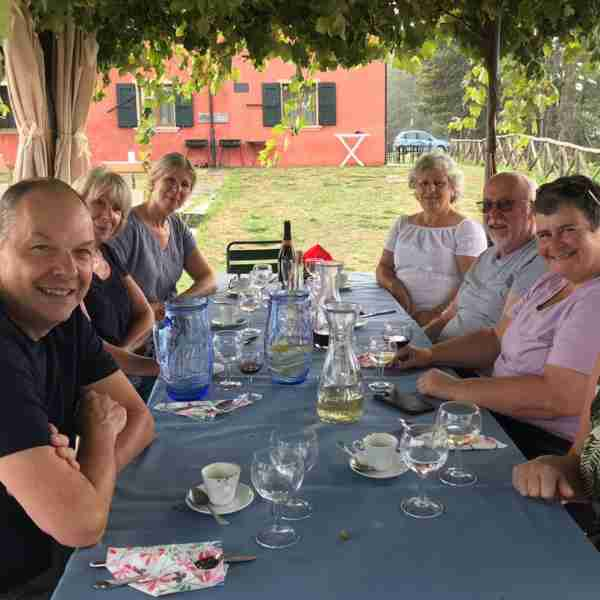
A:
(544, 157)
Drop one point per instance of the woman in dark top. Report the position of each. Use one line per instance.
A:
(115, 304)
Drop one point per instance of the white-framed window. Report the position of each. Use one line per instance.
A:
(165, 113)
(308, 104)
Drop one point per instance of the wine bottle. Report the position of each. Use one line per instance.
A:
(286, 257)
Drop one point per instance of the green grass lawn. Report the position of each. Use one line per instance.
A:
(347, 210)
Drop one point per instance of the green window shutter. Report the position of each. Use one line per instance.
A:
(271, 102)
(327, 103)
(7, 122)
(184, 111)
(126, 105)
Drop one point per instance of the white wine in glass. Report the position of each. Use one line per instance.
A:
(462, 423)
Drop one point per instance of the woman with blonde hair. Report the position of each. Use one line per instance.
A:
(116, 305)
(156, 246)
(427, 253)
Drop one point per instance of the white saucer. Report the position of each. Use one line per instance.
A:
(360, 323)
(243, 497)
(241, 322)
(395, 470)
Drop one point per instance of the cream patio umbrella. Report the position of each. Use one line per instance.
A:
(24, 65)
(75, 67)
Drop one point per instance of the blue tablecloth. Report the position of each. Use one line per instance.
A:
(490, 543)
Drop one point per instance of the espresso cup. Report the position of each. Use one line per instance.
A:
(378, 450)
(221, 482)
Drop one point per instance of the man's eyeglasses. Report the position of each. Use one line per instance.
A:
(504, 206)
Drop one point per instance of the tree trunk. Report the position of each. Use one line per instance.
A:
(567, 107)
(47, 40)
(491, 42)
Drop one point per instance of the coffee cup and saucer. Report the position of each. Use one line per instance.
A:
(221, 483)
(376, 456)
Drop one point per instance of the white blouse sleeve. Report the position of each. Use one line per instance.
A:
(390, 241)
(471, 239)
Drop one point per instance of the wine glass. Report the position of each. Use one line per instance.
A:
(260, 276)
(252, 359)
(462, 423)
(381, 353)
(249, 301)
(424, 448)
(228, 348)
(276, 473)
(307, 443)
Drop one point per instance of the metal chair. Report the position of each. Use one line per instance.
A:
(243, 255)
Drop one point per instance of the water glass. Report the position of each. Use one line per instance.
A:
(462, 423)
(260, 276)
(249, 301)
(306, 442)
(277, 473)
(424, 448)
(228, 348)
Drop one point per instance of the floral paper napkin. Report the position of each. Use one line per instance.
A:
(204, 410)
(172, 564)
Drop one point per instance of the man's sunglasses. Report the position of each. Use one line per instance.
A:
(501, 205)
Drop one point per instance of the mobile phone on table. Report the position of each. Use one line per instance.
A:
(412, 403)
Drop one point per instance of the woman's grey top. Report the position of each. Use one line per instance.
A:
(155, 270)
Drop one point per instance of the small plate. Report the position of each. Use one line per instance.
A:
(360, 323)
(395, 470)
(243, 498)
(241, 322)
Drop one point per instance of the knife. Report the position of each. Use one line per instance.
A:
(228, 558)
(378, 313)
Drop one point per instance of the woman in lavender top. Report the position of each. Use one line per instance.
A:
(543, 352)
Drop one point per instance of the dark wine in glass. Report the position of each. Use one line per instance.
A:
(250, 367)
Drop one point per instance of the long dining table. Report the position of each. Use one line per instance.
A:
(490, 543)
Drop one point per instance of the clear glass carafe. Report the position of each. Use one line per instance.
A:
(329, 291)
(183, 347)
(341, 395)
(288, 336)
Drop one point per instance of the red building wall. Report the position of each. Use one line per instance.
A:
(360, 106)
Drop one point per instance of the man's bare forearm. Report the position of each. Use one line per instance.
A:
(477, 350)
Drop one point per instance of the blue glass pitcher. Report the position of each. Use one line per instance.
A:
(288, 336)
(184, 350)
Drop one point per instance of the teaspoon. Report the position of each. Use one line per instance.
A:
(200, 499)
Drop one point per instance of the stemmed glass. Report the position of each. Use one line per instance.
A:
(249, 302)
(228, 348)
(276, 473)
(252, 360)
(260, 276)
(462, 423)
(381, 353)
(307, 443)
(424, 448)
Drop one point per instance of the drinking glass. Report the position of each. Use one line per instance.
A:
(260, 276)
(228, 348)
(250, 300)
(307, 443)
(252, 359)
(462, 423)
(424, 448)
(381, 353)
(276, 473)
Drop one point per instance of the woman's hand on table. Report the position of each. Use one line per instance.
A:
(410, 357)
(549, 478)
(436, 383)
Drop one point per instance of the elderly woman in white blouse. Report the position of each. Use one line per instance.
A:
(426, 254)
